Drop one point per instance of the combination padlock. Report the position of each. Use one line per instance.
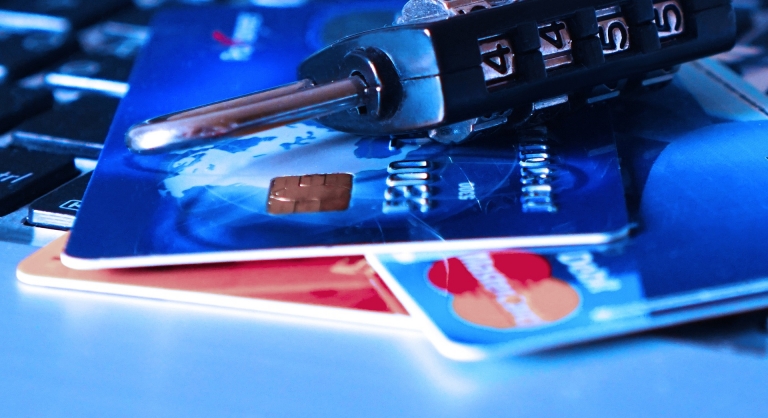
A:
(451, 68)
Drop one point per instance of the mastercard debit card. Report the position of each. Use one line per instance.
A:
(304, 190)
(472, 305)
(695, 158)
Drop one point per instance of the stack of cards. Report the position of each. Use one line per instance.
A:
(327, 288)
(508, 244)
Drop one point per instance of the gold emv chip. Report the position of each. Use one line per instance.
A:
(309, 193)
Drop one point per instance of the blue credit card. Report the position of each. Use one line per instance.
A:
(695, 157)
(305, 190)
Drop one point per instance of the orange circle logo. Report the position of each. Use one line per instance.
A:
(506, 289)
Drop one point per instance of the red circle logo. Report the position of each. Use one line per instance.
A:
(505, 289)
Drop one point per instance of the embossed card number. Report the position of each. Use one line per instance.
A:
(408, 187)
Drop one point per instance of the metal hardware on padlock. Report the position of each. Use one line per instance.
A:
(451, 68)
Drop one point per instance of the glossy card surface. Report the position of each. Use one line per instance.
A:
(326, 288)
(699, 250)
(304, 190)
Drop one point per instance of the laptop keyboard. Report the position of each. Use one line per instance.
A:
(64, 65)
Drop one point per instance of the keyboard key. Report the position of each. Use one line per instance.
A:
(102, 74)
(122, 35)
(18, 103)
(25, 51)
(77, 128)
(58, 208)
(79, 13)
(26, 175)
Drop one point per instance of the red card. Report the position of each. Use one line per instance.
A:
(336, 288)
